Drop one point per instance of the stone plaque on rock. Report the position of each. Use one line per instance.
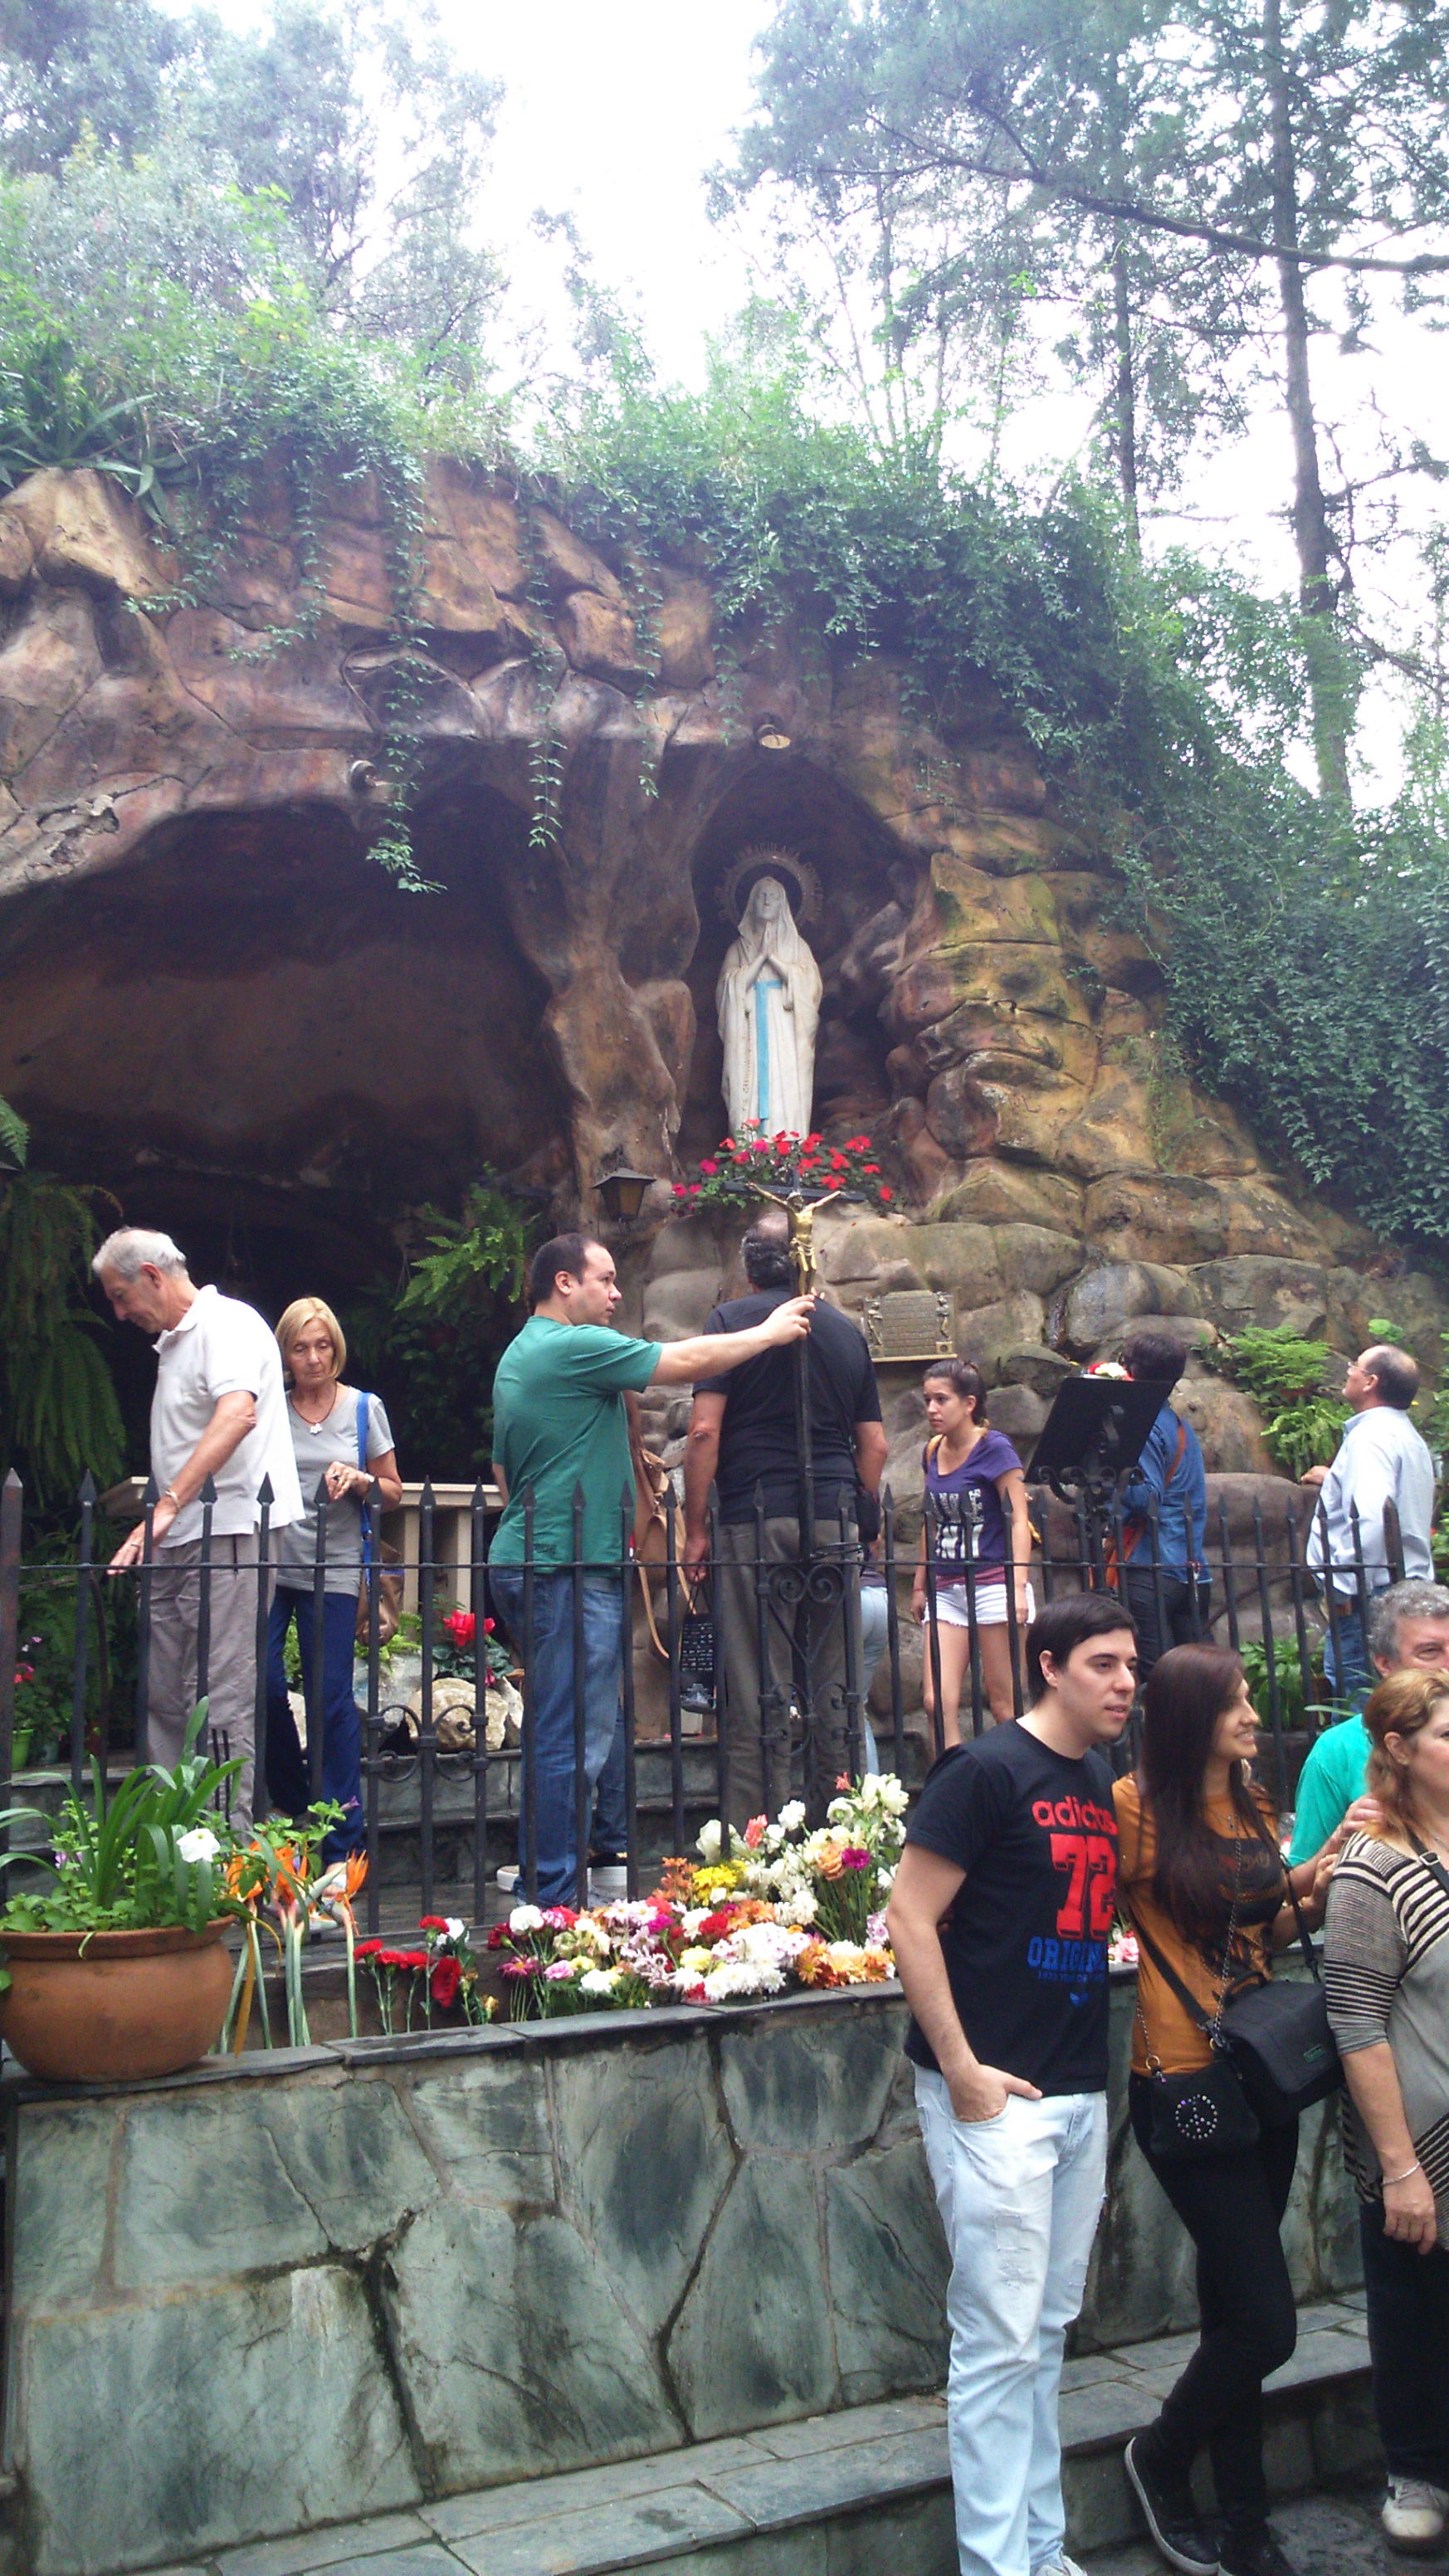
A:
(910, 1324)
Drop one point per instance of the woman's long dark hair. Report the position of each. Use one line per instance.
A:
(1187, 1692)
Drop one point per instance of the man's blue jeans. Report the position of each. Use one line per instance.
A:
(549, 1657)
(1351, 1677)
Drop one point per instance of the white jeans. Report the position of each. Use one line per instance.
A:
(1020, 2197)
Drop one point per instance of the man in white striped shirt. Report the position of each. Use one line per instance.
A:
(1381, 1459)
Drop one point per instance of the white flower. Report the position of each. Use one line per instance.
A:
(526, 1918)
(710, 1840)
(893, 1795)
(800, 1906)
(456, 1927)
(792, 1817)
(199, 1844)
(741, 1977)
(599, 1981)
(692, 1917)
(765, 1945)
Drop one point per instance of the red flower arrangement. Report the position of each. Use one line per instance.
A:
(413, 1983)
(740, 1166)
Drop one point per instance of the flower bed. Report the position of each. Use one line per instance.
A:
(757, 1913)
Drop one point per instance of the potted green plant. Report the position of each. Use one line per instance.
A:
(114, 1969)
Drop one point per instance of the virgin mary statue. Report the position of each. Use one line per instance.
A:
(768, 999)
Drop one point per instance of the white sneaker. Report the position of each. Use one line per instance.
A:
(508, 1880)
(1415, 2516)
(1061, 2565)
(608, 1883)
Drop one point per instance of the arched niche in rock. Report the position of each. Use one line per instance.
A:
(781, 799)
(250, 1037)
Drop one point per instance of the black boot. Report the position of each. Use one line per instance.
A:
(1165, 2496)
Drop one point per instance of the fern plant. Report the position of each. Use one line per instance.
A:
(1286, 1374)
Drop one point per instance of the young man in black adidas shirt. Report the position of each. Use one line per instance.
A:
(999, 1918)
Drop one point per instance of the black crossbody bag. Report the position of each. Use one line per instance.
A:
(1274, 2055)
(1279, 2037)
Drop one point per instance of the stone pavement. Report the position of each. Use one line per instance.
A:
(1324, 2535)
(865, 2491)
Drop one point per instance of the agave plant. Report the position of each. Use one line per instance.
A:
(55, 412)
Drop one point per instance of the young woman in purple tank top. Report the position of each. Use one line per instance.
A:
(964, 1455)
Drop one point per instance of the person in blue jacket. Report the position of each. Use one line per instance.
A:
(1169, 1604)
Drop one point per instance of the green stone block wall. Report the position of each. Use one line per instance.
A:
(290, 2290)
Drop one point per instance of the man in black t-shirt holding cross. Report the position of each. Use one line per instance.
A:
(999, 1918)
(743, 1438)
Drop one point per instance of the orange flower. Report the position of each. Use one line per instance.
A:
(814, 1968)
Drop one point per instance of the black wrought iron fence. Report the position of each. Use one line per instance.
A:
(830, 1682)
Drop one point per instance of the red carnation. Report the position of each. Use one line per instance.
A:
(432, 1923)
(445, 1980)
(887, 1194)
(680, 1190)
(872, 1168)
(708, 1165)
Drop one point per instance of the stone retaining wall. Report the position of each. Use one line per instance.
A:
(289, 2290)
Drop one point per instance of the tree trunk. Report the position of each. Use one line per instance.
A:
(1317, 596)
(1124, 393)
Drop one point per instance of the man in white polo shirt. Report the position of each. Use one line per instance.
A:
(219, 1410)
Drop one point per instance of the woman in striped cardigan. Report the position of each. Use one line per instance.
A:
(1386, 1969)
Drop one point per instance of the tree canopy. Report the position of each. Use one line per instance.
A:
(1179, 174)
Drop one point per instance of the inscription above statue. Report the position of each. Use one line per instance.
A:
(768, 1000)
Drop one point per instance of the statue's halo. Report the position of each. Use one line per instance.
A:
(763, 859)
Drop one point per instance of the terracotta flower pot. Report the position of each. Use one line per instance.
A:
(112, 2007)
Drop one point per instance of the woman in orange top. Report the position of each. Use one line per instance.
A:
(1201, 1874)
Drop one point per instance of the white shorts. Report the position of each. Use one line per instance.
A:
(952, 1610)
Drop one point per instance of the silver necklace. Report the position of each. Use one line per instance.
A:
(322, 1417)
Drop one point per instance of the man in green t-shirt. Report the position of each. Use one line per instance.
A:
(1408, 1632)
(560, 1428)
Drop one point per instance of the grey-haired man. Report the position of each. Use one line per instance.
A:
(1408, 1632)
(219, 1410)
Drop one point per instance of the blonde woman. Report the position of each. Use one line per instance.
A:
(1386, 1974)
(343, 1442)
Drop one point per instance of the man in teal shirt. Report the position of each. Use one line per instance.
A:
(560, 1427)
(1408, 1632)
